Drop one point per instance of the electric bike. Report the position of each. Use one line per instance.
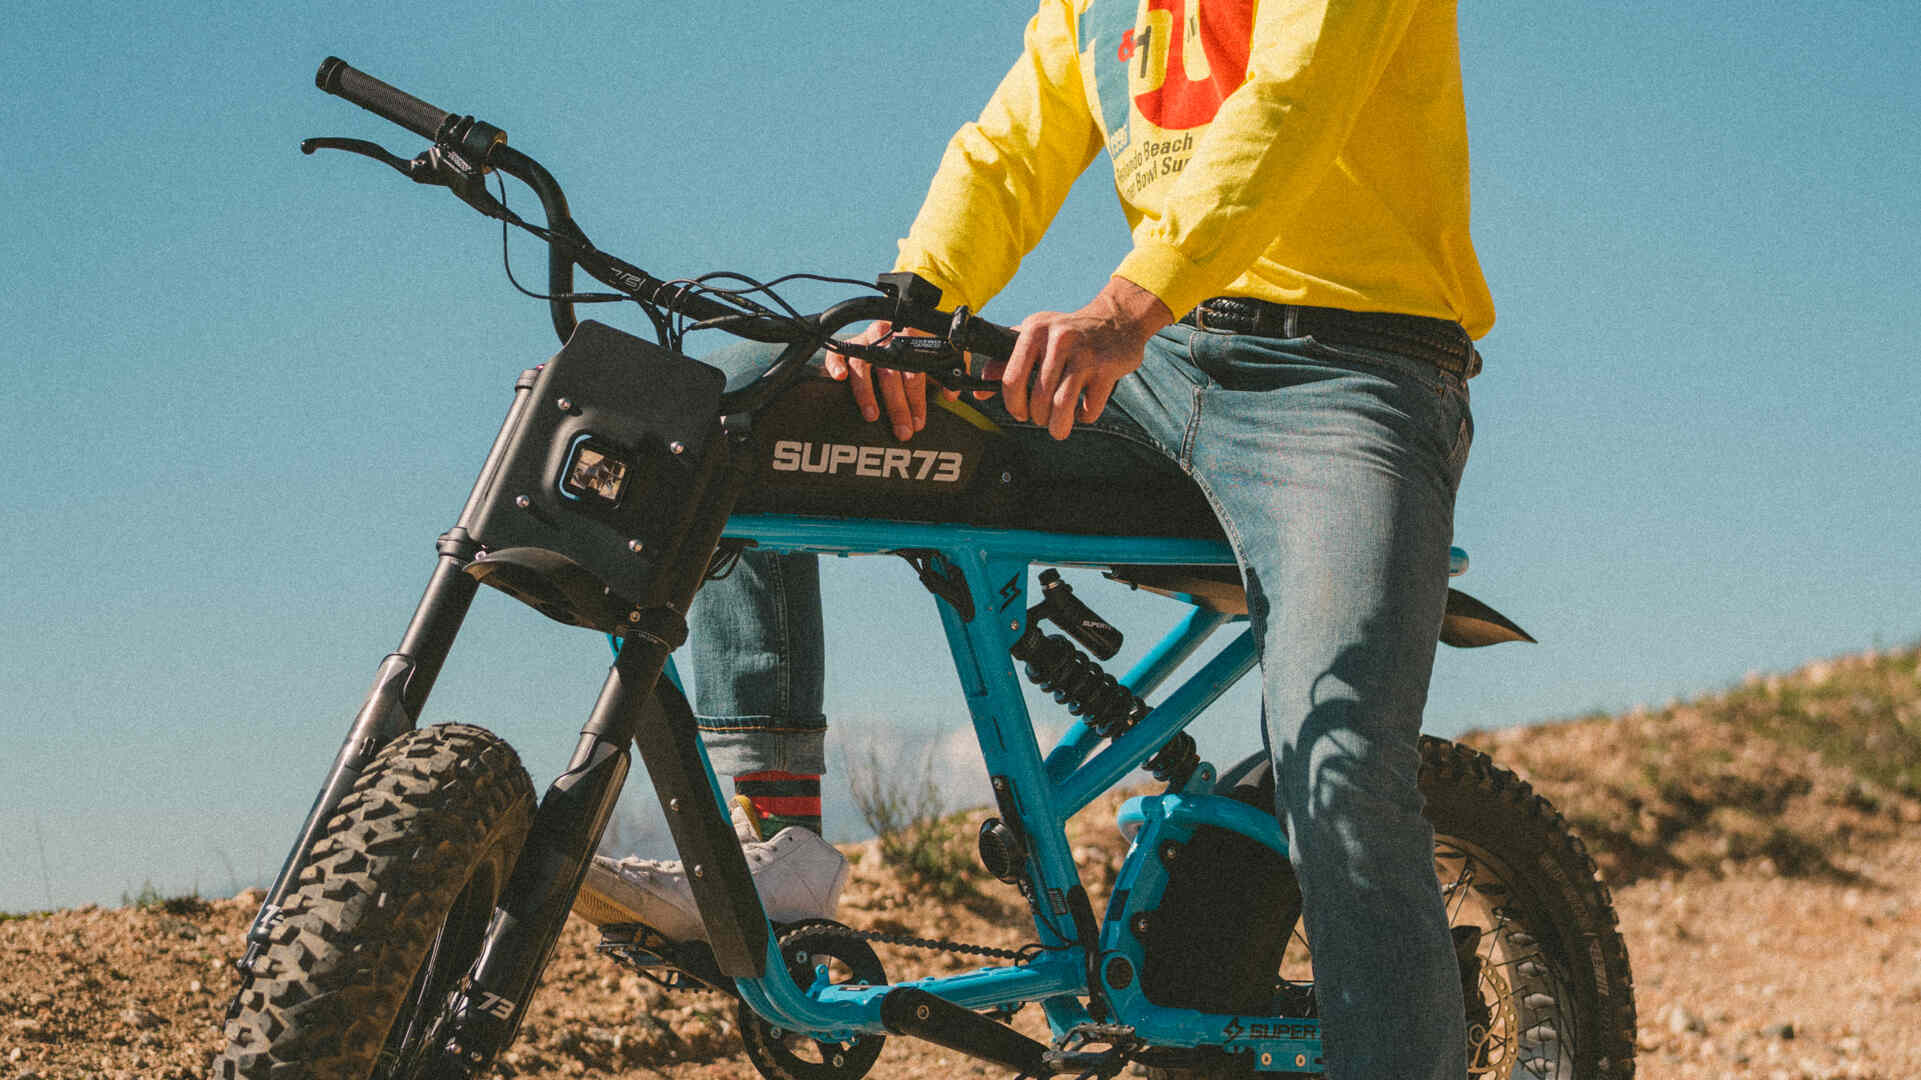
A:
(428, 886)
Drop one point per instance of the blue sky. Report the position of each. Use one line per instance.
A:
(247, 389)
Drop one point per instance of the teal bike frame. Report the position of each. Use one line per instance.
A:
(1044, 790)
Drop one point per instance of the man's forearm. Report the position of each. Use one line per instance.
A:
(1134, 307)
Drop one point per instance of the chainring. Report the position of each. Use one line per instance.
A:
(780, 1054)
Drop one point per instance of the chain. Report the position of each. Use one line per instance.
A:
(911, 942)
(623, 950)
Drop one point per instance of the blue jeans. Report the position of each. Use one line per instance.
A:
(1333, 471)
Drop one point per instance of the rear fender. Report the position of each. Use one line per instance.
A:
(1470, 624)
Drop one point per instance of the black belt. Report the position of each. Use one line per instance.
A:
(1417, 337)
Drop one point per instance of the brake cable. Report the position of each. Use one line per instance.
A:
(443, 166)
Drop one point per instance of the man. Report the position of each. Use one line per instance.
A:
(1295, 177)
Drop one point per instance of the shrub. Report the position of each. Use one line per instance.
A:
(152, 899)
(904, 808)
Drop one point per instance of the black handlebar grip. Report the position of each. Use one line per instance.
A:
(987, 338)
(338, 77)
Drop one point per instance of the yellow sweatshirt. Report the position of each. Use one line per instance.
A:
(1302, 151)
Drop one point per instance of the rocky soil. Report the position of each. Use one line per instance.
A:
(1764, 846)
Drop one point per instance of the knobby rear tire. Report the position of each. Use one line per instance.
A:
(408, 869)
(1504, 850)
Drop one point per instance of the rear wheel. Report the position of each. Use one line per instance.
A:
(1549, 993)
(388, 914)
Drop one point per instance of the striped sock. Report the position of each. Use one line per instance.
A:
(781, 799)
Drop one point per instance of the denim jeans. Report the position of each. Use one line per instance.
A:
(1333, 471)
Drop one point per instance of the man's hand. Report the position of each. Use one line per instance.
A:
(1066, 365)
(903, 392)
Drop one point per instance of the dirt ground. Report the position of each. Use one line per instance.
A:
(1764, 846)
(1745, 976)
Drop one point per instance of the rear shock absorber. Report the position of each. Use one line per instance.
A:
(1175, 761)
(1077, 680)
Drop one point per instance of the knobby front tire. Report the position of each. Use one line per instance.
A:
(387, 915)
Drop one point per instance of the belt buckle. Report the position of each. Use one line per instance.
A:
(1227, 321)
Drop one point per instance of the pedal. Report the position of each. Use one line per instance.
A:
(672, 965)
(635, 943)
(1070, 1055)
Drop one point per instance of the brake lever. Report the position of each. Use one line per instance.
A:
(934, 357)
(436, 166)
(364, 149)
(443, 165)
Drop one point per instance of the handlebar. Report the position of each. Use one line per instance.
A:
(464, 148)
(338, 77)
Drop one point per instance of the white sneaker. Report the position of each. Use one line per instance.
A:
(798, 875)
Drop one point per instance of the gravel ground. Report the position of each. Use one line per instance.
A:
(1742, 976)
(1769, 978)
(1767, 877)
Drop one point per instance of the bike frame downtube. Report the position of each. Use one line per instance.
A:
(1013, 758)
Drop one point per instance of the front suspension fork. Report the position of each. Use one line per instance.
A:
(633, 709)
(392, 706)
(401, 685)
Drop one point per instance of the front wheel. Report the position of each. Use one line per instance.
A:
(388, 914)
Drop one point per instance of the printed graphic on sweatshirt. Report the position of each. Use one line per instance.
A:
(1204, 59)
(1169, 62)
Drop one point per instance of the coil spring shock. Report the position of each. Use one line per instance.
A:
(1077, 681)
(1098, 699)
